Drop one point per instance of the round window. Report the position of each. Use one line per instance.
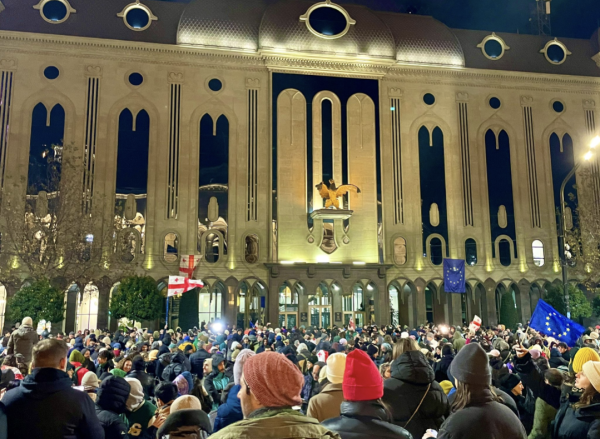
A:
(495, 103)
(55, 11)
(215, 84)
(137, 18)
(327, 21)
(558, 106)
(51, 72)
(555, 54)
(493, 49)
(429, 99)
(136, 79)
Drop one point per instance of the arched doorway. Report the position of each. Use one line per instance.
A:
(395, 307)
(210, 302)
(288, 304)
(429, 302)
(87, 308)
(500, 291)
(535, 294)
(248, 304)
(353, 306)
(320, 306)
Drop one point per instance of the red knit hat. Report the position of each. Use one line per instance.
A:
(274, 380)
(362, 381)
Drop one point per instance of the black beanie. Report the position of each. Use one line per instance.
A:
(166, 392)
(471, 366)
(509, 381)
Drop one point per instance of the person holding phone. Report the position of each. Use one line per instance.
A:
(477, 412)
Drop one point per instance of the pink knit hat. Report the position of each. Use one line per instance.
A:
(274, 380)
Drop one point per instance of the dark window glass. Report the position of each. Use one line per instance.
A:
(493, 48)
(327, 21)
(495, 103)
(558, 106)
(136, 79)
(471, 251)
(504, 250)
(555, 53)
(54, 10)
(429, 99)
(137, 18)
(435, 251)
(215, 84)
(51, 72)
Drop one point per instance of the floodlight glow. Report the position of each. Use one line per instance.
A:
(359, 263)
(595, 142)
(588, 155)
(217, 327)
(322, 259)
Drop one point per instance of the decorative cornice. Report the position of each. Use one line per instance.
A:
(181, 56)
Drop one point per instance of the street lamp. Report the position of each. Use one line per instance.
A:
(563, 227)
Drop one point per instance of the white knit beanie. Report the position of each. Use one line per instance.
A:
(592, 372)
(238, 367)
(136, 394)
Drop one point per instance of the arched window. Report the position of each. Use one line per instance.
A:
(2, 305)
(435, 251)
(87, 308)
(248, 304)
(471, 251)
(251, 249)
(211, 248)
(538, 252)
(429, 293)
(288, 305)
(354, 306)
(210, 302)
(171, 246)
(504, 252)
(319, 306)
(399, 251)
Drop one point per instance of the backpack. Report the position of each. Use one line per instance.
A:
(172, 371)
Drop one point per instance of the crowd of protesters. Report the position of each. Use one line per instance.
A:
(264, 382)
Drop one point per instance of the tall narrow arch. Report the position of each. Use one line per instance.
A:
(87, 308)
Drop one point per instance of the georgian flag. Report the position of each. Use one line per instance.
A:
(188, 264)
(179, 285)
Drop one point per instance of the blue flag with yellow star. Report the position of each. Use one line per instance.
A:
(547, 320)
(454, 275)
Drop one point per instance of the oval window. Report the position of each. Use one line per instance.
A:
(137, 18)
(555, 53)
(55, 11)
(504, 250)
(495, 103)
(136, 79)
(327, 21)
(400, 251)
(215, 84)
(493, 49)
(435, 251)
(558, 106)
(251, 249)
(429, 99)
(51, 72)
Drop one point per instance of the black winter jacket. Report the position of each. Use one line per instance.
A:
(197, 362)
(146, 380)
(556, 359)
(110, 403)
(569, 423)
(364, 420)
(411, 374)
(46, 406)
(482, 418)
(441, 368)
(506, 400)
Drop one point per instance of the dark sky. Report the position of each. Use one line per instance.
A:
(570, 18)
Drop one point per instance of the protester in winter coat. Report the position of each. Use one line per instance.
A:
(270, 387)
(458, 341)
(45, 405)
(544, 412)
(231, 409)
(139, 411)
(441, 367)
(412, 392)
(578, 414)
(197, 360)
(362, 414)
(111, 403)
(556, 359)
(76, 360)
(476, 411)
(165, 394)
(326, 404)
(23, 340)
(524, 398)
(217, 381)
(90, 385)
(87, 361)
(137, 371)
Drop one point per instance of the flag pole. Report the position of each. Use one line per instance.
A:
(167, 317)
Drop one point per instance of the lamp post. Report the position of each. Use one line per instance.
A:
(563, 224)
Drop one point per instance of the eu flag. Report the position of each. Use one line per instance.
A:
(454, 275)
(547, 320)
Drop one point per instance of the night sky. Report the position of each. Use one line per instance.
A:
(570, 18)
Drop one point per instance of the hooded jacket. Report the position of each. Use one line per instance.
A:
(326, 404)
(556, 359)
(197, 362)
(46, 406)
(111, 401)
(216, 382)
(411, 375)
(231, 411)
(22, 341)
(138, 372)
(178, 364)
(364, 420)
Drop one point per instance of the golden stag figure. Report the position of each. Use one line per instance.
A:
(331, 193)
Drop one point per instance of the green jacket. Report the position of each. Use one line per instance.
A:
(458, 342)
(544, 415)
(276, 424)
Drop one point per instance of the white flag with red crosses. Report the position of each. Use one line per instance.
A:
(180, 284)
(188, 264)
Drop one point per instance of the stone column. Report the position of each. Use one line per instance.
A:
(420, 299)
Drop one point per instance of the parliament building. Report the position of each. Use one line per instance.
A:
(217, 126)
